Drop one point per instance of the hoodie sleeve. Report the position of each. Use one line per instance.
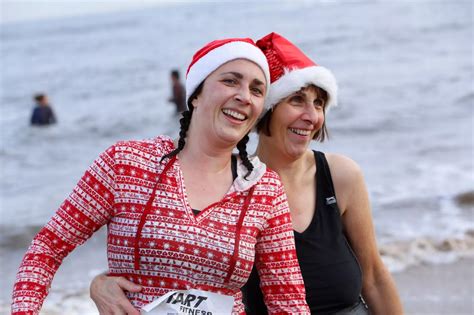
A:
(277, 264)
(87, 208)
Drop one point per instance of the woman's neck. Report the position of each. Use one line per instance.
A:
(287, 167)
(206, 170)
(203, 156)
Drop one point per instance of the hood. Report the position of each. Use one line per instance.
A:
(242, 184)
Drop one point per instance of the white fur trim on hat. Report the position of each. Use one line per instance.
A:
(203, 67)
(294, 80)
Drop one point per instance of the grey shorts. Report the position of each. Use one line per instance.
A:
(359, 308)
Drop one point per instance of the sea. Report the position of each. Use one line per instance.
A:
(405, 113)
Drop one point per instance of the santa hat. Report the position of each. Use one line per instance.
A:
(291, 70)
(216, 53)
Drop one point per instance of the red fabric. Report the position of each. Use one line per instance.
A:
(178, 250)
(146, 211)
(282, 55)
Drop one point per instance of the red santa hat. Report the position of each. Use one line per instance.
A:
(291, 70)
(218, 52)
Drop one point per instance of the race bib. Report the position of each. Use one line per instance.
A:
(195, 302)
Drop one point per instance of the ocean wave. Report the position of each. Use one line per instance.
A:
(397, 255)
(17, 238)
(444, 27)
(75, 301)
(465, 199)
(58, 28)
(402, 254)
(467, 99)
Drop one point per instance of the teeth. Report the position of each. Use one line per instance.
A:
(301, 132)
(233, 114)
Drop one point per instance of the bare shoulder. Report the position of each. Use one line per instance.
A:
(347, 177)
(343, 167)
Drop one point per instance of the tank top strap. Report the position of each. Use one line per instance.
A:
(234, 166)
(326, 186)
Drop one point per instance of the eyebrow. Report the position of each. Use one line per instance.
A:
(318, 96)
(300, 93)
(239, 75)
(258, 82)
(236, 74)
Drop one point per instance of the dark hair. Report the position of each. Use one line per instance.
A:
(242, 147)
(175, 73)
(39, 97)
(322, 134)
(185, 121)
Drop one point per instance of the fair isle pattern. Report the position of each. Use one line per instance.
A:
(177, 249)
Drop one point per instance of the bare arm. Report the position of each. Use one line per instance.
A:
(109, 297)
(378, 287)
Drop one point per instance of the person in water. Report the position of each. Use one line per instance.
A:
(178, 92)
(43, 114)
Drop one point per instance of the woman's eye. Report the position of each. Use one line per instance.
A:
(296, 99)
(257, 91)
(318, 104)
(229, 81)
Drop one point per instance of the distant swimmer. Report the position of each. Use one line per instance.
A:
(178, 92)
(42, 113)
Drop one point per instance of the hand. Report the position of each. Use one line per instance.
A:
(109, 297)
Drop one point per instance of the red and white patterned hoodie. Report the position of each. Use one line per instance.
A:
(159, 243)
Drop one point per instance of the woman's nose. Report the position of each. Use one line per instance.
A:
(311, 114)
(244, 96)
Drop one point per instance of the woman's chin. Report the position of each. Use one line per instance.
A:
(296, 151)
(232, 136)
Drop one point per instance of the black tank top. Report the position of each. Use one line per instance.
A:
(331, 272)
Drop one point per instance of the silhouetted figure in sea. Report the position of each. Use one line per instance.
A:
(178, 92)
(42, 113)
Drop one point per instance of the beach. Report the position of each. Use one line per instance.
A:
(438, 289)
(405, 115)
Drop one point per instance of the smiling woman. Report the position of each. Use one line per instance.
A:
(182, 217)
(302, 116)
(329, 204)
(297, 120)
(229, 104)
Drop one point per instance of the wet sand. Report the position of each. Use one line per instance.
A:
(438, 289)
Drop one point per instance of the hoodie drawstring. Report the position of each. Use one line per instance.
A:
(238, 229)
(147, 209)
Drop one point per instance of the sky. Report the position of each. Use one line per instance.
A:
(21, 10)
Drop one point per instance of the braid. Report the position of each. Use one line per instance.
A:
(184, 122)
(242, 147)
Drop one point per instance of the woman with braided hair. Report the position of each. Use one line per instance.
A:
(329, 204)
(185, 215)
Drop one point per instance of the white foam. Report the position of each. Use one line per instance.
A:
(402, 254)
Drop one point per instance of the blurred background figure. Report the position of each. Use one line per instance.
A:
(42, 113)
(178, 92)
